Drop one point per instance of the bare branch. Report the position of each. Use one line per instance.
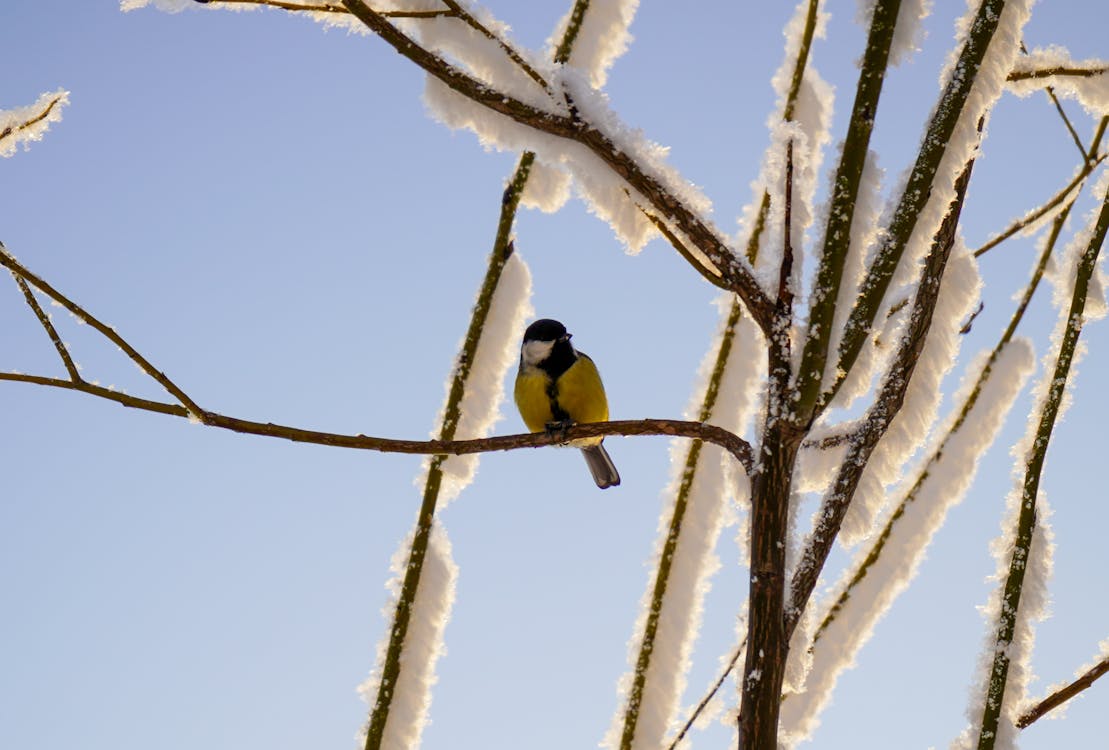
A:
(9, 262)
(1032, 216)
(729, 441)
(1063, 694)
(48, 326)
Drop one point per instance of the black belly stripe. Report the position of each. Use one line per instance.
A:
(558, 414)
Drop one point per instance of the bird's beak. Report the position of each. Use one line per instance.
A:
(566, 337)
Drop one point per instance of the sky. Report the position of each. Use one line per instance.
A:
(265, 209)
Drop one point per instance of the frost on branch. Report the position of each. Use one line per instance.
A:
(848, 627)
(484, 393)
(958, 295)
(603, 37)
(423, 644)
(700, 494)
(1053, 66)
(30, 123)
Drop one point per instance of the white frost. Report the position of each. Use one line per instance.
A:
(694, 561)
(1092, 92)
(1034, 597)
(423, 643)
(19, 120)
(958, 294)
(948, 479)
(497, 351)
(602, 38)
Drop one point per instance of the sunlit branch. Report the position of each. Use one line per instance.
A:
(48, 326)
(1058, 70)
(460, 12)
(917, 191)
(844, 200)
(1063, 694)
(12, 129)
(739, 277)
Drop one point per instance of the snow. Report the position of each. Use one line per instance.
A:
(957, 298)
(1092, 92)
(908, 34)
(603, 37)
(694, 561)
(1034, 596)
(948, 479)
(548, 188)
(18, 119)
(864, 232)
(423, 643)
(497, 351)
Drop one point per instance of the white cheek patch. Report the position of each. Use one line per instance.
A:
(535, 352)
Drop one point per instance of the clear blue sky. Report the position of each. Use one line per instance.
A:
(264, 209)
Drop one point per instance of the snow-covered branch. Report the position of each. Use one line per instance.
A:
(27, 124)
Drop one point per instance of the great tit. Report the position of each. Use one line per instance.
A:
(557, 386)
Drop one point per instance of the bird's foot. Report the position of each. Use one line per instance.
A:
(558, 430)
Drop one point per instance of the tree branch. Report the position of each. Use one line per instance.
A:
(1059, 70)
(9, 262)
(48, 326)
(12, 129)
(841, 213)
(739, 448)
(918, 188)
(1063, 694)
(740, 278)
(881, 414)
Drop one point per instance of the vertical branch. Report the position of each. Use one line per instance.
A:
(1026, 521)
(502, 250)
(771, 487)
(670, 546)
(402, 615)
(888, 403)
(841, 212)
(919, 187)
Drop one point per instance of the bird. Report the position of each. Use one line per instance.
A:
(557, 386)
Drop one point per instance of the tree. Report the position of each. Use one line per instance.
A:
(873, 320)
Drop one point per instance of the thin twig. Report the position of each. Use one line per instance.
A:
(459, 12)
(1059, 70)
(708, 696)
(1063, 694)
(1090, 162)
(52, 332)
(709, 272)
(9, 262)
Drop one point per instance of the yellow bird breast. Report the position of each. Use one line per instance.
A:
(578, 393)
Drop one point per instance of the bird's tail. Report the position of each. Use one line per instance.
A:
(601, 466)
